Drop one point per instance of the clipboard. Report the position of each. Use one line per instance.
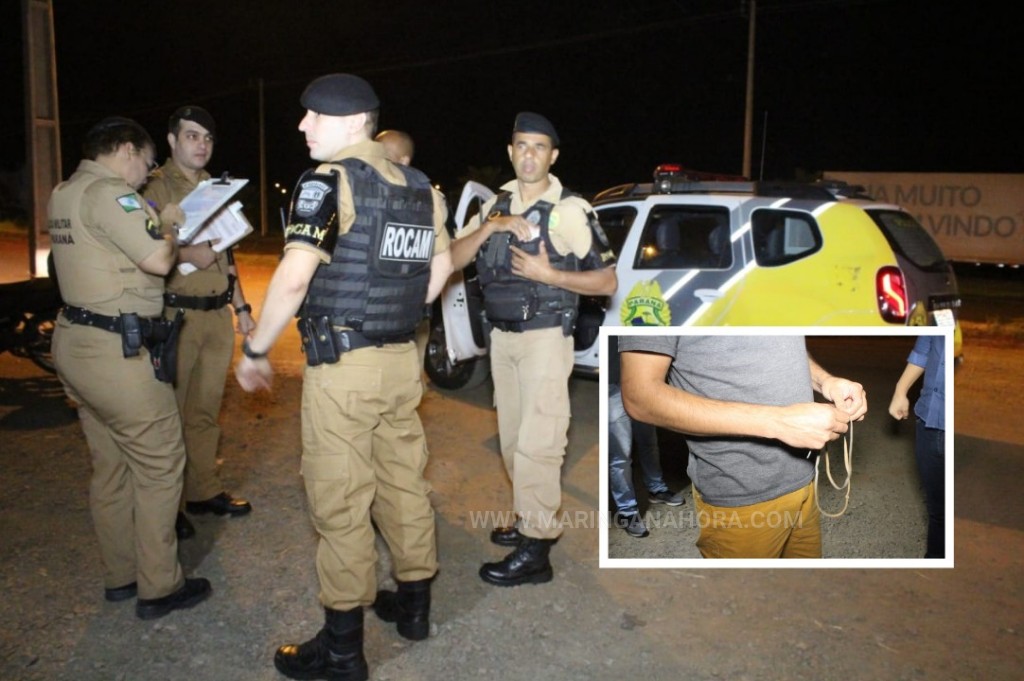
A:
(205, 201)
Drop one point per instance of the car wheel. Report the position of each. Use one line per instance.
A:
(442, 372)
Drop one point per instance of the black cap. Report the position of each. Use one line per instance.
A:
(527, 121)
(339, 94)
(196, 114)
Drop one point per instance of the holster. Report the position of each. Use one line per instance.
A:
(318, 340)
(162, 344)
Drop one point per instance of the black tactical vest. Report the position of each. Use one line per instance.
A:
(377, 280)
(516, 304)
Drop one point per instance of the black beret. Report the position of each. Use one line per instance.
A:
(196, 114)
(339, 94)
(527, 121)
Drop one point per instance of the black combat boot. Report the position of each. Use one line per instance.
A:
(409, 607)
(335, 653)
(528, 564)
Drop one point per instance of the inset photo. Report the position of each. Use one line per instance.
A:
(777, 447)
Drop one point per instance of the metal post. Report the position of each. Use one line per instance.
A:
(748, 119)
(263, 167)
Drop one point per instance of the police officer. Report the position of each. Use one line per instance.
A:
(537, 250)
(111, 251)
(365, 250)
(206, 344)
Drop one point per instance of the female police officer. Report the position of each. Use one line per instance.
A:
(111, 253)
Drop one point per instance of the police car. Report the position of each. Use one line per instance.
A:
(700, 249)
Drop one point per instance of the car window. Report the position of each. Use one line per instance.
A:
(781, 237)
(909, 238)
(685, 237)
(616, 223)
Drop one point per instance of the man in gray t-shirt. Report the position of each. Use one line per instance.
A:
(747, 407)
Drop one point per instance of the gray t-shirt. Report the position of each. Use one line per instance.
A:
(771, 370)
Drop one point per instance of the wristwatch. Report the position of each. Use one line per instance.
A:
(243, 308)
(250, 353)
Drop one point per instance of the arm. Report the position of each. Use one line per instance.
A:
(847, 395)
(164, 258)
(899, 406)
(650, 399)
(244, 322)
(599, 282)
(285, 294)
(466, 246)
(440, 269)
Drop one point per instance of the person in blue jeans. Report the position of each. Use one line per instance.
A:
(623, 431)
(928, 358)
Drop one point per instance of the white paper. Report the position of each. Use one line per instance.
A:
(228, 226)
(204, 202)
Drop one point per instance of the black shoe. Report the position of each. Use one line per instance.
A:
(409, 607)
(183, 527)
(192, 592)
(222, 504)
(121, 593)
(506, 536)
(528, 564)
(335, 653)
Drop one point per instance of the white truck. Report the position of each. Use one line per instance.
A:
(974, 217)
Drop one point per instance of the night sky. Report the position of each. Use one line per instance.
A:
(845, 84)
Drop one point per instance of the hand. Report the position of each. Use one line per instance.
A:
(810, 425)
(847, 395)
(201, 255)
(516, 225)
(254, 374)
(244, 324)
(171, 216)
(899, 408)
(533, 267)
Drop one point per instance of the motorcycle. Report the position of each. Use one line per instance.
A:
(28, 314)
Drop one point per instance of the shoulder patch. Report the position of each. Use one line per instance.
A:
(312, 193)
(130, 203)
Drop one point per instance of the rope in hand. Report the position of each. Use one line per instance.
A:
(848, 461)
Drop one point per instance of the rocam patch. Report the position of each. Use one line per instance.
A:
(130, 203)
(645, 306)
(311, 196)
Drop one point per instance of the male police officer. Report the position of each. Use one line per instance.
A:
(536, 251)
(207, 342)
(111, 252)
(365, 250)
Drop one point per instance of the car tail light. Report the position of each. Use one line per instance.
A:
(893, 302)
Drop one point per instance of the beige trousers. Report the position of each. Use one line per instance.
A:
(363, 456)
(133, 430)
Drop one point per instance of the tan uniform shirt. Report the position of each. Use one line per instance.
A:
(168, 184)
(373, 154)
(100, 227)
(568, 225)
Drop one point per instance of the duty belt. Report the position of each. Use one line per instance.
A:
(545, 321)
(204, 303)
(79, 315)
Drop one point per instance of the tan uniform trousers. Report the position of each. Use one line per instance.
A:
(531, 392)
(132, 426)
(205, 346)
(363, 456)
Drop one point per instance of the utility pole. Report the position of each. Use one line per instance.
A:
(748, 119)
(263, 167)
(42, 124)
